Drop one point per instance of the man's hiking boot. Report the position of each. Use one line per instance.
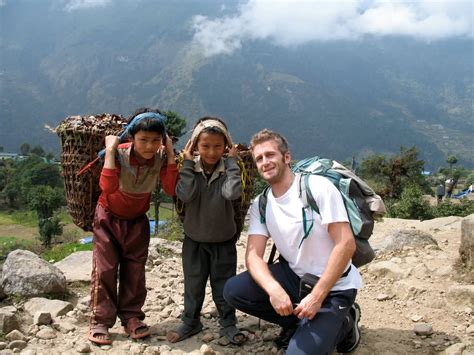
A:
(283, 339)
(352, 339)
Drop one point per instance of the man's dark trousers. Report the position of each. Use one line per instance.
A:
(317, 336)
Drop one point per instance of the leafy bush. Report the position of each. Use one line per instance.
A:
(447, 208)
(8, 244)
(60, 251)
(411, 205)
(172, 229)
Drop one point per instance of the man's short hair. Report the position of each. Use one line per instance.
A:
(266, 135)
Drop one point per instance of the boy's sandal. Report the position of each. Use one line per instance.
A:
(136, 328)
(99, 334)
(234, 335)
(184, 331)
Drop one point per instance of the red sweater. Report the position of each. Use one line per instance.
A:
(126, 190)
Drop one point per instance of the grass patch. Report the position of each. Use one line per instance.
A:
(8, 244)
(60, 251)
(24, 218)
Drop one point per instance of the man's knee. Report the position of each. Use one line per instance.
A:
(230, 290)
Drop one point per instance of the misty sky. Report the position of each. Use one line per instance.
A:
(291, 23)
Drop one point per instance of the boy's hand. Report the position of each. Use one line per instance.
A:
(169, 146)
(232, 151)
(187, 151)
(111, 142)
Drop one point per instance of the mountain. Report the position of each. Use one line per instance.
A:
(334, 98)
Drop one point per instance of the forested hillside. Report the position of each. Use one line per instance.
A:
(337, 98)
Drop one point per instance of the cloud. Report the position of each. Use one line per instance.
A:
(71, 5)
(290, 23)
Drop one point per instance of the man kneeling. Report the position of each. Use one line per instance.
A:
(326, 318)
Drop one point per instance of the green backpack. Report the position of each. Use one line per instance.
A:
(362, 204)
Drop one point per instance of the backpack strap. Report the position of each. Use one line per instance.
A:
(307, 198)
(262, 203)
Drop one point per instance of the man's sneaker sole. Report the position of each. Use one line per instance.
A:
(355, 314)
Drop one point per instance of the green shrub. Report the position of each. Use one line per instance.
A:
(447, 208)
(172, 229)
(60, 251)
(411, 205)
(8, 244)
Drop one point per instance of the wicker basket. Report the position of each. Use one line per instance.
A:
(81, 139)
(242, 204)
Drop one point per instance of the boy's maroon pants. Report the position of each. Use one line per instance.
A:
(120, 253)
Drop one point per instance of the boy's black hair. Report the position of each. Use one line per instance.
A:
(148, 124)
(212, 130)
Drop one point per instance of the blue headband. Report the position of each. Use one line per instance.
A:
(136, 120)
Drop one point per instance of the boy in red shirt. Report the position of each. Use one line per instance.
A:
(121, 228)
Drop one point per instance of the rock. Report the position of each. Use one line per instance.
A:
(46, 333)
(64, 327)
(26, 274)
(470, 330)
(206, 350)
(208, 337)
(460, 296)
(28, 352)
(466, 249)
(423, 329)
(82, 347)
(382, 297)
(77, 266)
(456, 349)
(54, 307)
(17, 344)
(388, 269)
(42, 318)
(404, 239)
(8, 320)
(416, 318)
(15, 335)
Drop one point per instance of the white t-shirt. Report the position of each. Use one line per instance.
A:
(284, 224)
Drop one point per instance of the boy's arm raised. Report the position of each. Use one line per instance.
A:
(186, 188)
(232, 187)
(169, 173)
(109, 181)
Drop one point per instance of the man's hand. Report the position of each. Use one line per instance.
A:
(308, 307)
(281, 302)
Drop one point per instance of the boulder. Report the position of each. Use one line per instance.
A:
(77, 266)
(26, 274)
(466, 249)
(43, 305)
(397, 239)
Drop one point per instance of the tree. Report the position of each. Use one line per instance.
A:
(412, 205)
(175, 125)
(394, 173)
(1, 148)
(45, 200)
(22, 175)
(38, 150)
(25, 149)
(451, 160)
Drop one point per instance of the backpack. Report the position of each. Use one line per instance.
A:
(362, 204)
